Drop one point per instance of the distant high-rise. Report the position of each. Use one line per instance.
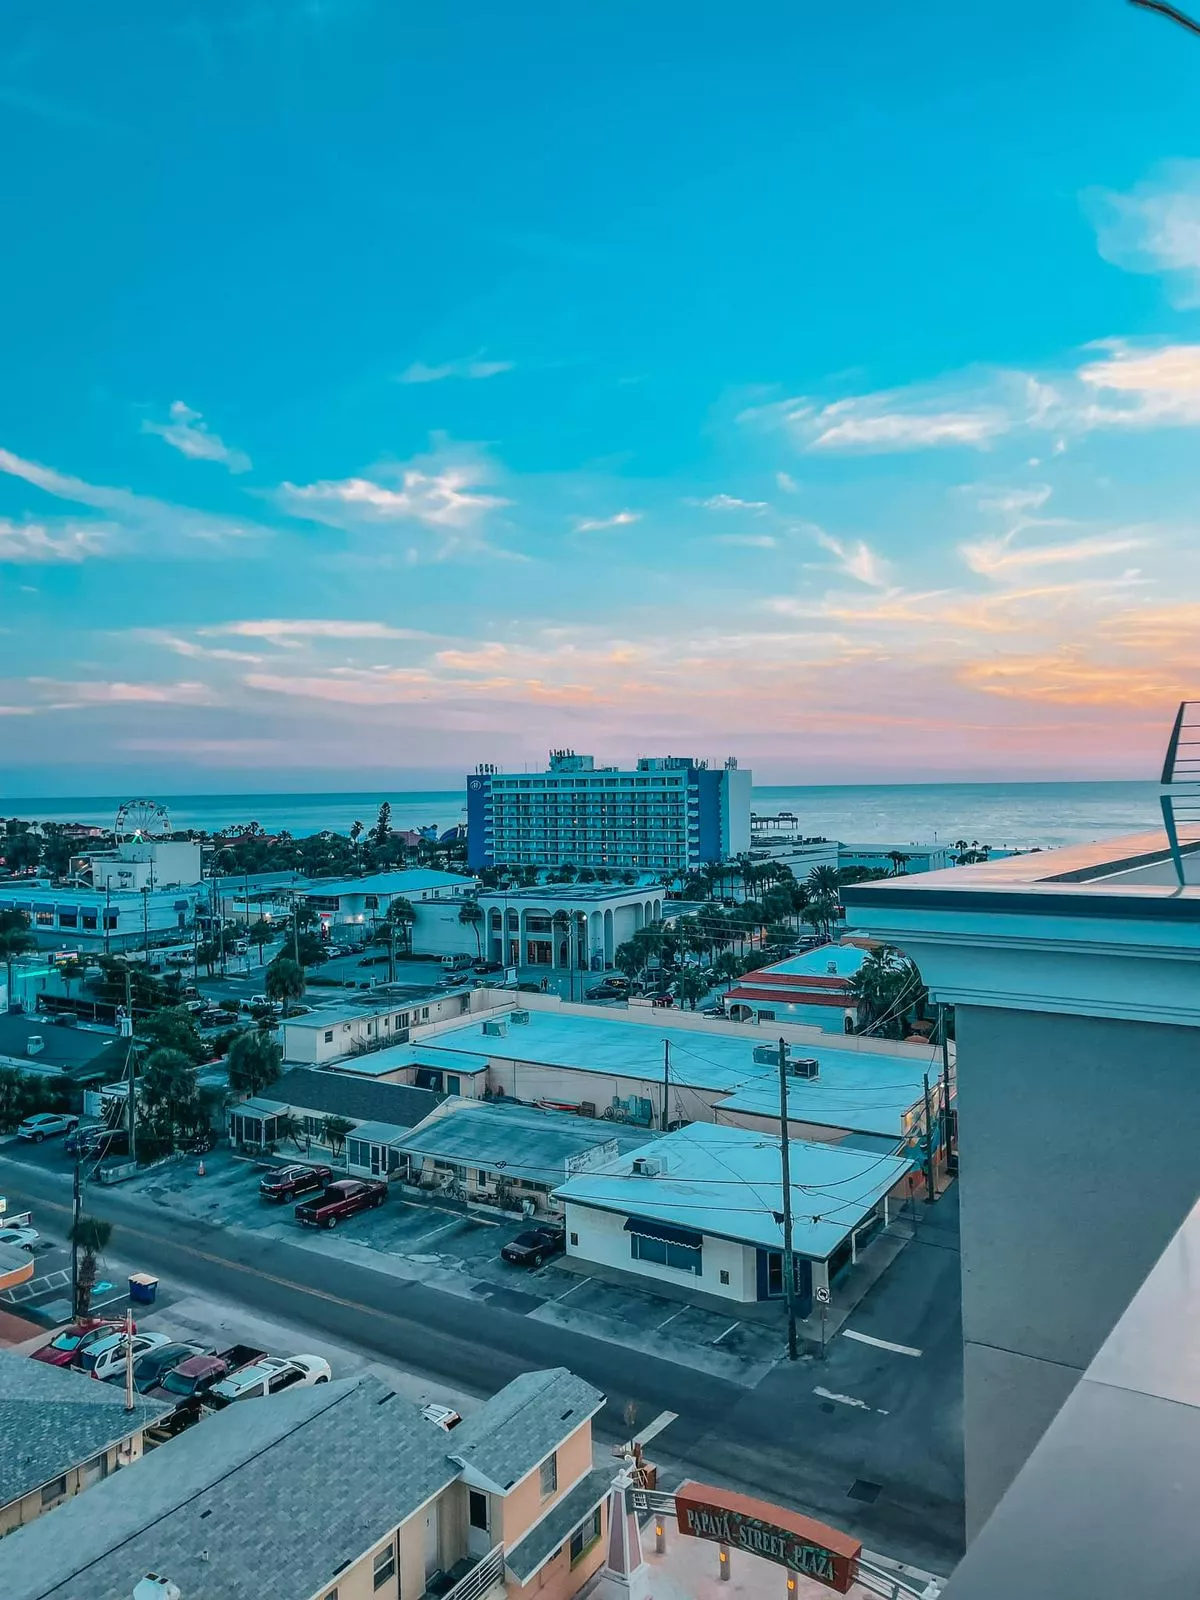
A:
(669, 814)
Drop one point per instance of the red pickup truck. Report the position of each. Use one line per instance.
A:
(190, 1381)
(345, 1198)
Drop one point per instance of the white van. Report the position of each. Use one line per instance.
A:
(459, 963)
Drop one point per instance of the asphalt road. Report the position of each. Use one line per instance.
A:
(806, 1437)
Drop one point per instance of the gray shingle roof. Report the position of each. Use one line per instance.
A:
(548, 1536)
(52, 1419)
(533, 1145)
(523, 1424)
(341, 1094)
(343, 1462)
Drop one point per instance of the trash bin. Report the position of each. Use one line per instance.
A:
(143, 1288)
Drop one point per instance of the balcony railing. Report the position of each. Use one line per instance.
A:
(488, 1571)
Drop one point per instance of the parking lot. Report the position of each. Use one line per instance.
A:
(458, 1252)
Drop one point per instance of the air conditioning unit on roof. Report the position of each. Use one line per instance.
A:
(518, 1017)
(767, 1055)
(645, 1167)
(804, 1067)
(495, 1030)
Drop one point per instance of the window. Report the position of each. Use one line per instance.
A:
(328, 1035)
(358, 1153)
(766, 1016)
(549, 1476)
(679, 1257)
(478, 1509)
(385, 1566)
(585, 1537)
(54, 1490)
(724, 1275)
(574, 1238)
(312, 1127)
(332, 1595)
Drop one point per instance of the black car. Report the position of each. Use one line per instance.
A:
(488, 966)
(92, 1144)
(606, 991)
(150, 1369)
(285, 1183)
(535, 1245)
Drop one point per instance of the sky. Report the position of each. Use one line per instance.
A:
(393, 388)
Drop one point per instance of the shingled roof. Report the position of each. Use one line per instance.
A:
(342, 1094)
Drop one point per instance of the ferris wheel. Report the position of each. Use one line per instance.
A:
(142, 819)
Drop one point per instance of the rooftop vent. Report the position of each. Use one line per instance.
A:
(519, 1018)
(495, 1030)
(831, 968)
(804, 1067)
(645, 1167)
(767, 1055)
(154, 1587)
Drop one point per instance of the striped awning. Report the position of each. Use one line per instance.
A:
(665, 1231)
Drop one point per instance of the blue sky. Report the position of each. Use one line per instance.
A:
(392, 388)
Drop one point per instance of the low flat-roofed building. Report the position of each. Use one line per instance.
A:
(575, 926)
(61, 1432)
(899, 859)
(812, 989)
(340, 1489)
(503, 1153)
(354, 1028)
(68, 918)
(702, 1207)
(36, 1043)
(617, 1065)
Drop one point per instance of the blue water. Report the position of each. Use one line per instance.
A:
(998, 814)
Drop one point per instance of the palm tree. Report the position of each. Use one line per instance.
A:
(15, 940)
(728, 967)
(824, 881)
(89, 1236)
(260, 933)
(887, 989)
(899, 861)
(167, 1090)
(691, 986)
(334, 1131)
(471, 916)
(254, 1062)
(289, 1126)
(402, 914)
(285, 981)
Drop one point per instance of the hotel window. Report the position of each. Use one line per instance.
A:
(585, 1537)
(385, 1566)
(549, 1476)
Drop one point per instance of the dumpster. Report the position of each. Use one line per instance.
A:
(143, 1288)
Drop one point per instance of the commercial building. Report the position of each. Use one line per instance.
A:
(668, 815)
(900, 859)
(508, 1155)
(62, 1433)
(341, 1490)
(351, 906)
(564, 926)
(137, 864)
(631, 1068)
(357, 1028)
(1075, 980)
(66, 918)
(703, 1207)
(813, 989)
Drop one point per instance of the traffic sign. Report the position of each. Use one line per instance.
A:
(822, 1296)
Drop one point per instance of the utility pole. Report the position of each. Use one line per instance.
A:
(146, 928)
(296, 926)
(789, 1260)
(131, 1107)
(930, 1185)
(945, 1085)
(666, 1081)
(77, 1212)
(107, 904)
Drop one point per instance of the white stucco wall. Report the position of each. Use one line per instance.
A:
(602, 1239)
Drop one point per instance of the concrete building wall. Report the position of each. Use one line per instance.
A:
(1080, 1158)
(600, 1236)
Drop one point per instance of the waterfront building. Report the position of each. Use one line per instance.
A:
(1075, 980)
(669, 814)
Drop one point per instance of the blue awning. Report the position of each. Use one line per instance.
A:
(44, 908)
(68, 911)
(665, 1231)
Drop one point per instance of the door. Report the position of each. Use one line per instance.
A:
(479, 1529)
(432, 1563)
(377, 1159)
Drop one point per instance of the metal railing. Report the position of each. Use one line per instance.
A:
(1180, 784)
(481, 1577)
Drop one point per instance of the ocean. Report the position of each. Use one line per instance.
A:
(999, 814)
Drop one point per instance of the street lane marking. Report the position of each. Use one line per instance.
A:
(727, 1332)
(664, 1419)
(671, 1318)
(577, 1285)
(880, 1344)
(842, 1399)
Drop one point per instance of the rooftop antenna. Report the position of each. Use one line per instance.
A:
(1180, 781)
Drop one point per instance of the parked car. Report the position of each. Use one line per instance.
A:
(75, 1339)
(44, 1124)
(285, 1183)
(19, 1238)
(535, 1245)
(152, 1366)
(714, 1011)
(606, 991)
(93, 1144)
(342, 1199)
(269, 1376)
(445, 1417)
(65, 1019)
(257, 1001)
(188, 1383)
(460, 962)
(108, 1356)
(488, 966)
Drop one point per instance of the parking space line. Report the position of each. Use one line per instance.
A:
(727, 1332)
(577, 1285)
(453, 1223)
(671, 1318)
(880, 1344)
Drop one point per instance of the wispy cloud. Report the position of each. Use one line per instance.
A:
(620, 519)
(1002, 557)
(1155, 228)
(746, 541)
(42, 544)
(190, 649)
(188, 433)
(157, 521)
(787, 483)
(728, 502)
(1143, 388)
(63, 695)
(856, 559)
(470, 367)
(287, 632)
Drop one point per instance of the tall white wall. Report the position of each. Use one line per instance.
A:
(601, 1238)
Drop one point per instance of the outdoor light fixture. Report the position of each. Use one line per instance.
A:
(791, 1583)
(660, 1535)
(723, 1558)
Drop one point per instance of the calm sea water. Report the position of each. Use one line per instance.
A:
(993, 813)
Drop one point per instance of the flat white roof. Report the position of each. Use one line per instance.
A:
(728, 1182)
(405, 882)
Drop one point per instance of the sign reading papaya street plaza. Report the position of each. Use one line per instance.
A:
(785, 1537)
